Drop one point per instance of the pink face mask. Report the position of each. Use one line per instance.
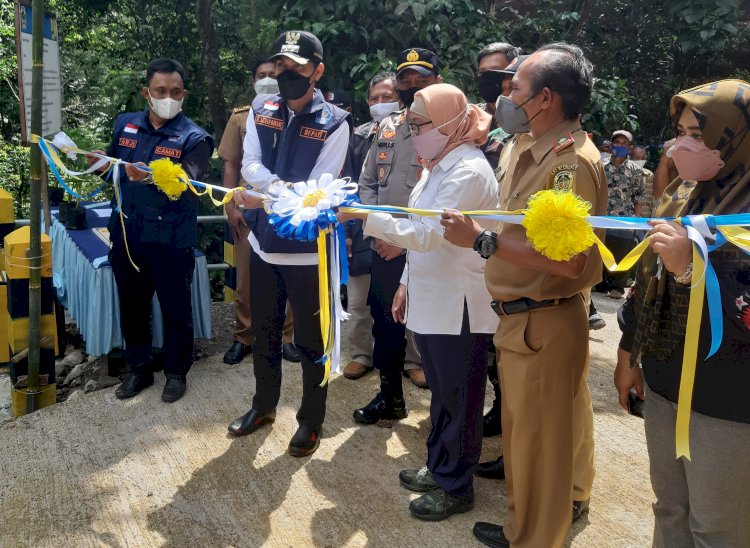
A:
(694, 160)
(431, 143)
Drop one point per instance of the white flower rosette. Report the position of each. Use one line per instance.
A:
(300, 210)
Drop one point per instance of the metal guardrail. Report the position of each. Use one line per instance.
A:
(202, 219)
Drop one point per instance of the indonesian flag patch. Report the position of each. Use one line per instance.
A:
(130, 128)
(270, 105)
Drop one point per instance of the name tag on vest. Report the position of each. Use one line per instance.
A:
(171, 152)
(310, 133)
(273, 123)
(125, 142)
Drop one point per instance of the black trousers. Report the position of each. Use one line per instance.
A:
(270, 287)
(389, 348)
(169, 273)
(455, 367)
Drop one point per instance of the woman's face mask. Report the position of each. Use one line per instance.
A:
(639, 163)
(694, 160)
(431, 143)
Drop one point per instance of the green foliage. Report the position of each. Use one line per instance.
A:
(609, 108)
(704, 24)
(14, 174)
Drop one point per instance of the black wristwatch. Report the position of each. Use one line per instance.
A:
(486, 244)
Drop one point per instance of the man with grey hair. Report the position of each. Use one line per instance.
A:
(542, 340)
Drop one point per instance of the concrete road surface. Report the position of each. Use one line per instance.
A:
(101, 472)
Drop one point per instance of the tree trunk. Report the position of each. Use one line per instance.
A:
(216, 105)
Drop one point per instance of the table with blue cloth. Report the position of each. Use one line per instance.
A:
(85, 284)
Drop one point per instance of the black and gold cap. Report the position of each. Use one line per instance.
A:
(422, 60)
(298, 45)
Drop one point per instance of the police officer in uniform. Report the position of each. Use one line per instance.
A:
(291, 136)
(230, 150)
(542, 340)
(161, 233)
(391, 171)
(382, 99)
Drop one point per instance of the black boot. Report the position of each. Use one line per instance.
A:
(174, 388)
(491, 422)
(380, 409)
(133, 384)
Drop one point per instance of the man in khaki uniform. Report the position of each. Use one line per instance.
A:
(230, 150)
(542, 340)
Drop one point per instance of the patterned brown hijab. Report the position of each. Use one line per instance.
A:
(723, 112)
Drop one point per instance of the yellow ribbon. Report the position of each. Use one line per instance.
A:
(326, 329)
(690, 356)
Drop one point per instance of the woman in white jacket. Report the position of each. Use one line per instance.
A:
(443, 297)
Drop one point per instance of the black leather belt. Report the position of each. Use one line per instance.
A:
(521, 305)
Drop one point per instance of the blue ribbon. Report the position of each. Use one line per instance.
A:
(56, 173)
(343, 257)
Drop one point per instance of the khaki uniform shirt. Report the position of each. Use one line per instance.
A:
(230, 148)
(564, 158)
(392, 167)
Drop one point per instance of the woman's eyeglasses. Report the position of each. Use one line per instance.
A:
(414, 128)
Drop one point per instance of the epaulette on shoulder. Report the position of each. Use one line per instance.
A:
(241, 109)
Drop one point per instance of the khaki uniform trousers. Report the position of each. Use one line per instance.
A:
(244, 330)
(547, 419)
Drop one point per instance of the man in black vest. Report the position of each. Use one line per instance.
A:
(161, 233)
(293, 136)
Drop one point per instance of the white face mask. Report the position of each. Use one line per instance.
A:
(167, 108)
(639, 163)
(266, 85)
(379, 111)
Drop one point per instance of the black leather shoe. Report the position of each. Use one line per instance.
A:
(490, 534)
(250, 422)
(174, 389)
(133, 384)
(291, 353)
(304, 442)
(579, 507)
(494, 469)
(491, 422)
(438, 505)
(379, 409)
(236, 352)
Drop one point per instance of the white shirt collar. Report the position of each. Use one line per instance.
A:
(454, 156)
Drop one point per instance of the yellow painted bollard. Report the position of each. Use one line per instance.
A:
(16, 311)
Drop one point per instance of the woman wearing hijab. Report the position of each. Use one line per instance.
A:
(448, 306)
(703, 500)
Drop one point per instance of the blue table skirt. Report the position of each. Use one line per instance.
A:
(86, 286)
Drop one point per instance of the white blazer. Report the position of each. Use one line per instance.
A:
(439, 275)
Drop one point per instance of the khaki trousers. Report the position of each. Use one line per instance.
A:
(244, 330)
(547, 420)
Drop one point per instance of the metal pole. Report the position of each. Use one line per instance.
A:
(35, 244)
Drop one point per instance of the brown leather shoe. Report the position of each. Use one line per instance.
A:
(417, 377)
(355, 370)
